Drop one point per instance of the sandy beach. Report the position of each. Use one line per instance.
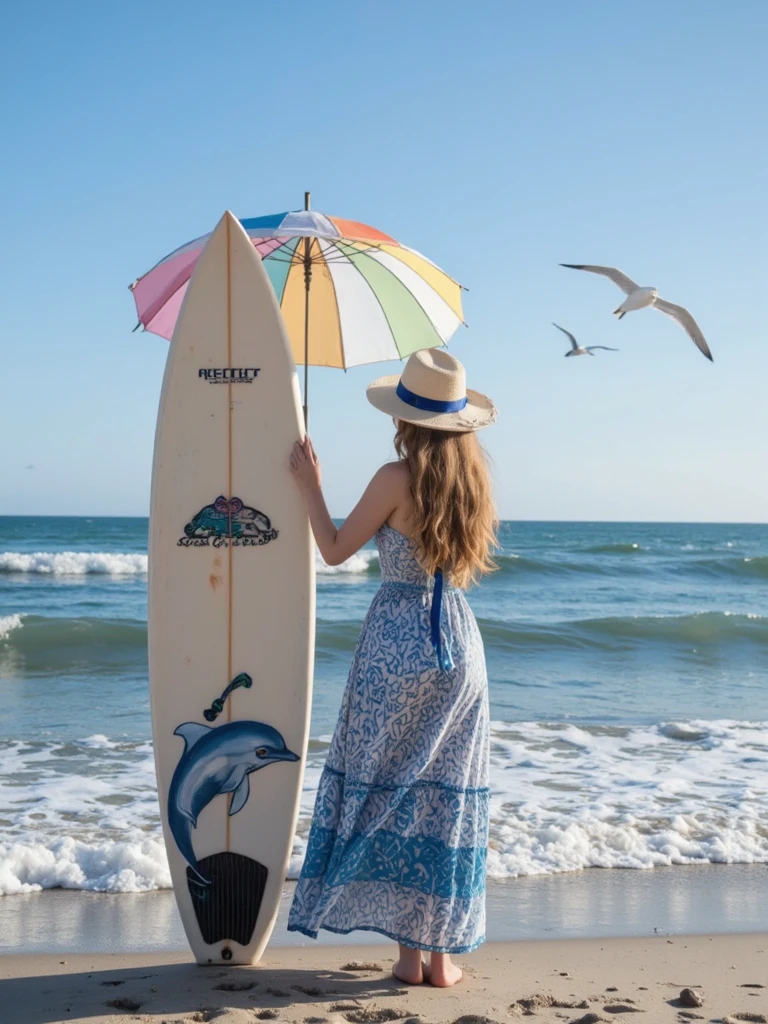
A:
(551, 980)
(597, 940)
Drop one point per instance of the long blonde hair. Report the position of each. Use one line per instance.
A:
(454, 518)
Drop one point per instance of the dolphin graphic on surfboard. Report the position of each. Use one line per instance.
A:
(215, 761)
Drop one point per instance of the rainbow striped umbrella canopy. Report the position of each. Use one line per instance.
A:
(349, 294)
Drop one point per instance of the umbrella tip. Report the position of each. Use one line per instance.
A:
(307, 200)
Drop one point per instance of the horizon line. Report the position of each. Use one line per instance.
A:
(604, 522)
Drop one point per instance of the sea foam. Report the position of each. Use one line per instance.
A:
(564, 797)
(67, 863)
(359, 564)
(73, 563)
(81, 563)
(567, 797)
(7, 625)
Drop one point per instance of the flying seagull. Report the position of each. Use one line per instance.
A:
(638, 298)
(576, 349)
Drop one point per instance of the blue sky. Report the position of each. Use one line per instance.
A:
(500, 139)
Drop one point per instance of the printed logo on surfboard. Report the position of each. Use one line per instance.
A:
(227, 521)
(229, 374)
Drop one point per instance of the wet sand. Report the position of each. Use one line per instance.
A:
(701, 899)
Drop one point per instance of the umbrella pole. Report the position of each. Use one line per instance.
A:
(307, 281)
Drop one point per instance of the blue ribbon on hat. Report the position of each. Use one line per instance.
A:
(428, 404)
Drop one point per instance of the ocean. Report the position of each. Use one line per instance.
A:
(628, 668)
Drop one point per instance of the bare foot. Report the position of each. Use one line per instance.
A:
(411, 977)
(443, 973)
(409, 968)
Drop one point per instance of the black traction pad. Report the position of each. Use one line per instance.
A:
(229, 907)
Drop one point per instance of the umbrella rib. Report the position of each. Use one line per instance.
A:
(340, 257)
(292, 257)
(288, 238)
(271, 255)
(361, 252)
(296, 260)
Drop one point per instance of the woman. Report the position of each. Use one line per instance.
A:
(399, 836)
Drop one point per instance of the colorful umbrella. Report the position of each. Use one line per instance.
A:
(349, 294)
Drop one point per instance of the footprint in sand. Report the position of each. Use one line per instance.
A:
(471, 1018)
(124, 1003)
(375, 1016)
(311, 990)
(546, 1002)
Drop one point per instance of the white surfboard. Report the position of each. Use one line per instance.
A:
(231, 604)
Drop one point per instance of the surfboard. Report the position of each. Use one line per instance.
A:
(231, 604)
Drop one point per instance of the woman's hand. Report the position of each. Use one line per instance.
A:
(305, 466)
(374, 508)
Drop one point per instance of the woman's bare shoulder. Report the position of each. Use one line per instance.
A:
(396, 478)
(395, 474)
(397, 468)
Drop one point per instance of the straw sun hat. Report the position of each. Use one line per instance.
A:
(432, 392)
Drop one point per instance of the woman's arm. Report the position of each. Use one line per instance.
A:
(382, 496)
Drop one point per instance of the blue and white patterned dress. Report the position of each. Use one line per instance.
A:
(400, 832)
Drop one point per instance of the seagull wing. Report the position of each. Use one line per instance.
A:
(605, 348)
(574, 343)
(626, 284)
(685, 319)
